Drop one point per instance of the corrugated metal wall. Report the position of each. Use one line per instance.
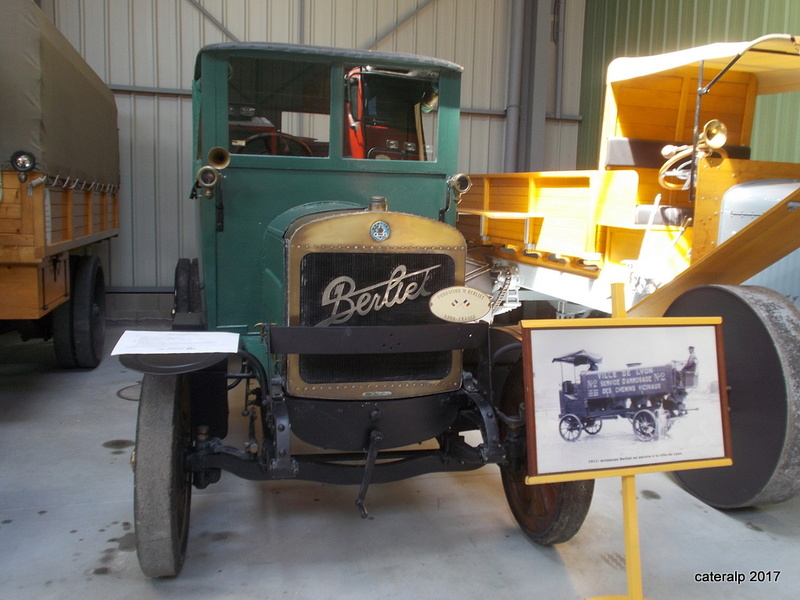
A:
(145, 50)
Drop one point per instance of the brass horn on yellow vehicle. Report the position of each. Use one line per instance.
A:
(714, 135)
(710, 141)
(219, 157)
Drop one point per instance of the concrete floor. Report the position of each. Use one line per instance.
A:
(66, 521)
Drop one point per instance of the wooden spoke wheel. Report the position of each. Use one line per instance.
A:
(549, 513)
(592, 426)
(570, 428)
(162, 484)
(760, 332)
(645, 425)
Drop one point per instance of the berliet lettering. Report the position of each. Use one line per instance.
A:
(347, 300)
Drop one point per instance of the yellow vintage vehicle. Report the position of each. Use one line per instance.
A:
(680, 211)
(59, 156)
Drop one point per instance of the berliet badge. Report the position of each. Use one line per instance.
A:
(380, 231)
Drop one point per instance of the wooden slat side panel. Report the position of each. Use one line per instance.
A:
(662, 106)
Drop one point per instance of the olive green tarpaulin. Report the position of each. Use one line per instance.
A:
(51, 102)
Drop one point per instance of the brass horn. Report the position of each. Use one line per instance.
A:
(219, 158)
(715, 134)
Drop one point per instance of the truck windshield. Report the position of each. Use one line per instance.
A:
(278, 107)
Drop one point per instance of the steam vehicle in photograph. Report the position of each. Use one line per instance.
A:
(651, 398)
(327, 187)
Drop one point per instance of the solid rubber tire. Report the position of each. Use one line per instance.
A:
(88, 312)
(63, 336)
(61, 320)
(549, 513)
(162, 486)
(181, 302)
(760, 329)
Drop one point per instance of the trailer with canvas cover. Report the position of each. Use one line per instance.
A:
(60, 182)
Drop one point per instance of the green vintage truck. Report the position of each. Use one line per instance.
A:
(328, 188)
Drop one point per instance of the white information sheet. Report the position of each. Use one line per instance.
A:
(176, 342)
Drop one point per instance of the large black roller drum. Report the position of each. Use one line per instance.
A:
(761, 331)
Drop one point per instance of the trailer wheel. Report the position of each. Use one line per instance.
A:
(89, 312)
(760, 329)
(645, 425)
(162, 484)
(63, 336)
(549, 513)
(79, 323)
(570, 427)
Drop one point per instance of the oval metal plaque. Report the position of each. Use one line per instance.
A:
(460, 304)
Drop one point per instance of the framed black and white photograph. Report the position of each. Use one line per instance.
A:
(624, 393)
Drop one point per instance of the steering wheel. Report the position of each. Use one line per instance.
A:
(275, 143)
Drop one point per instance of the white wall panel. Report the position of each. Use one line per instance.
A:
(145, 51)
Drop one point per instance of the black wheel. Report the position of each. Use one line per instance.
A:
(181, 300)
(195, 300)
(89, 312)
(570, 427)
(645, 425)
(162, 484)
(592, 426)
(63, 343)
(79, 323)
(760, 329)
(549, 513)
(186, 291)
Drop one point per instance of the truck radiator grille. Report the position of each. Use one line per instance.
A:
(363, 289)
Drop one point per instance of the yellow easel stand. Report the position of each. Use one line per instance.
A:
(630, 513)
(633, 560)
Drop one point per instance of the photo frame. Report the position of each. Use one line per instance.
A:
(621, 396)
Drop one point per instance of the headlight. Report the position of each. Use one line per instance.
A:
(207, 176)
(23, 161)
